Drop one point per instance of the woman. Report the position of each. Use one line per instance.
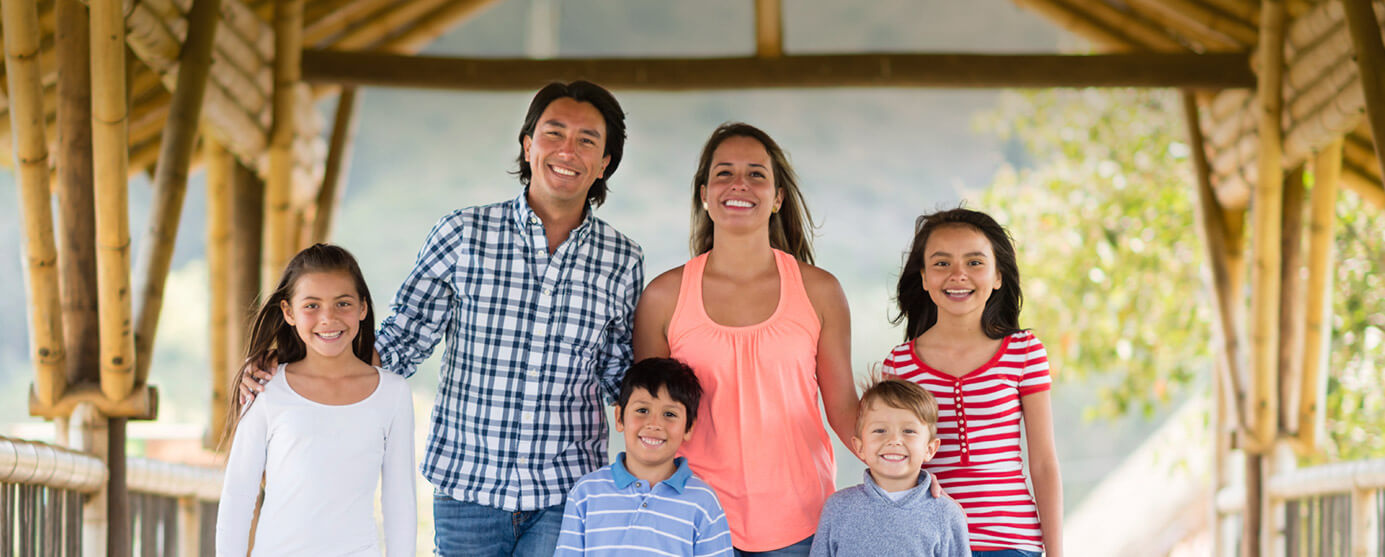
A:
(766, 331)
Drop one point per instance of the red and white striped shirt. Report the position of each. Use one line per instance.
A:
(979, 463)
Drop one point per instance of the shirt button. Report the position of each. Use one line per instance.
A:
(540, 330)
(533, 219)
(528, 416)
(645, 505)
(533, 373)
(637, 484)
(525, 462)
(547, 291)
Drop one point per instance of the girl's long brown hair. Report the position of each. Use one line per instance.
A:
(273, 340)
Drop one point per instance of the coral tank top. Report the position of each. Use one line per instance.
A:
(759, 439)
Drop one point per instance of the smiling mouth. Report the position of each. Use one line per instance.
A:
(738, 204)
(958, 293)
(563, 171)
(330, 336)
(893, 457)
(651, 442)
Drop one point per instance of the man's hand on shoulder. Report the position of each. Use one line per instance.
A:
(253, 379)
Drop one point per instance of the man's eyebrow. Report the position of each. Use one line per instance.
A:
(946, 254)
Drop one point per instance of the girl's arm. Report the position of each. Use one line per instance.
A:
(244, 468)
(1037, 409)
(398, 498)
(835, 380)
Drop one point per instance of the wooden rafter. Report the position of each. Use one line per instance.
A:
(1212, 71)
(219, 166)
(1268, 221)
(1370, 63)
(1208, 37)
(1291, 297)
(338, 161)
(1145, 34)
(769, 28)
(31, 152)
(171, 175)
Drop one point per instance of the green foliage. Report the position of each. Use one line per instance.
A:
(1104, 226)
(1355, 394)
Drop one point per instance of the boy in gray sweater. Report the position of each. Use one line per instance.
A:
(893, 513)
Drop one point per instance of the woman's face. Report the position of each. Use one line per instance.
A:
(740, 189)
(959, 270)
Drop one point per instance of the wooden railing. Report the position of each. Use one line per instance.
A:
(1334, 510)
(43, 488)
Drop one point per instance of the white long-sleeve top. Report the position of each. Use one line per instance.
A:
(321, 464)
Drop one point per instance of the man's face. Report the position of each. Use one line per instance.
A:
(567, 153)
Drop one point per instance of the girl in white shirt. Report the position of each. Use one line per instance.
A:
(328, 427)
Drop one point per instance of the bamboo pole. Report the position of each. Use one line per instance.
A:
(1212, 71)
(1370, 62)
(1291, 307)
(1170, 18)
(247, 220)
(383, 24)
(1264, 302)
(76, 206)
(171, 175)
(769, 28)
(1207, 21)
(1363, 185)
(220, 166)
(1327, 169)
(31, 155)
(1268, 202)
(338, 162)
(1213, 226)
(288, 35)
(1145, 33)
(431, 26)
(108, 116)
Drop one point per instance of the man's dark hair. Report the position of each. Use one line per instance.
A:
(670, 375)
(605, 103)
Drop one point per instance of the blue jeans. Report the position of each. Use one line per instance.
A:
(471, 530)
(799, 549)
(1007, 553)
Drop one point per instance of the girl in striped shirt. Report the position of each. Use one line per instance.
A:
(959, 296)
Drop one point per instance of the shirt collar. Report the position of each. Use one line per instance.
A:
(526, 217)
(678, 481)
(922, 486)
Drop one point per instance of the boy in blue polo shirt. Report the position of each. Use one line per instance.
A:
(647, 502)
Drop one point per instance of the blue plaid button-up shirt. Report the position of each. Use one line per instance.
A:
(534, 344)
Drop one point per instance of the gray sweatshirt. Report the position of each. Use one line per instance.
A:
(863, 520)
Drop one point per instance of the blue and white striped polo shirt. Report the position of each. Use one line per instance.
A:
(611, 512)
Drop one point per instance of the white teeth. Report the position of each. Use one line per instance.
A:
(652, 442)
(330, 336)
(892, 457)
(739, 203)
(958, 292)
(563, 171)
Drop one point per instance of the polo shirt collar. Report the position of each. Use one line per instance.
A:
(921, 488)
(678, 481)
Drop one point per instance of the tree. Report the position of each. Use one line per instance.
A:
(1103, 222)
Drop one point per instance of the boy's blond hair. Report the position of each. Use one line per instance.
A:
(901, 394)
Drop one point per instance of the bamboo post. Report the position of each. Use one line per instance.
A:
(1291, 307)
(219, 166)
(31, 156)
(171, 175)
(247, 218)
(112, 204)
(338, 163)
(76, 206)
(1267, 232)
(1370, 62)
(1267, 200)
(288, 46)
(189, 526)
(1216, 235)
(769, 28)
(90, 433)
(1327, 169)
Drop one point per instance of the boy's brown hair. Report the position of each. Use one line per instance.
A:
(901, 394)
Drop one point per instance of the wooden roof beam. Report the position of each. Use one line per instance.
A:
(1206, 71)
(1370, 62)
(1137, 31)
(1204, 20)
(769, 28)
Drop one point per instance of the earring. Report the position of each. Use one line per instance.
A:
(704, 205)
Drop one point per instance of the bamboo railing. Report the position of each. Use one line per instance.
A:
(41, 501)
(1334, 509)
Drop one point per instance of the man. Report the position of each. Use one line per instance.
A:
(535, 297)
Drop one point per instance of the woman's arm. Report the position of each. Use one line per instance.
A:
(835, 379)
(653, 314)
(1037, 409)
